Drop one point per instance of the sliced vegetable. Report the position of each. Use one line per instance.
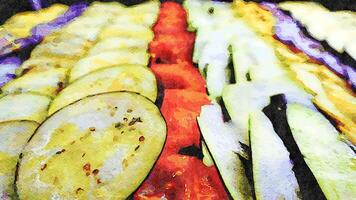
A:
(127, 31)
(272, 169)
(102, 146)
(222, 140)
(182, 177)
(180, 109)
(131, 78)
(107, 59)
(13, 137)
(179, 76)
(167, 48)
(117, 43)
(20, 25)
(25, 106)
(8, 68)
(330, 159)
(244, 98)
(47, 82)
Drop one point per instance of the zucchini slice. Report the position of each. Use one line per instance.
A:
(272, 169)
(107, 59)
(242, 99)
(45, 82)
(330, 159)
(25, 106)
(13, 137)
(222, 141)
(120, 78)
(42, 64)
(101, 147)
(117, 43)
(127, 31)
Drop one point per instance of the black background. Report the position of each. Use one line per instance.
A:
(11, 7)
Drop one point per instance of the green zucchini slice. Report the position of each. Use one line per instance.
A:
(120, 78)
(272, 169)
(13, 137)
(45, 82)
(101, 147)
(25, 106)
(107, 59)
(330, 159)
(222, 141)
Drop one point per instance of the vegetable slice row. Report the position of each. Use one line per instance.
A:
(102, 146)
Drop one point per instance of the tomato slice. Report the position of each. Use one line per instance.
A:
(168, 48)
(180, 109)
(179, 76)
(182, 177)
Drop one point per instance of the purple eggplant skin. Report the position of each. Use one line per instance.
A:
(36, 4)
(41, 30)
(276, 112)
(8, 66)
(289, 31)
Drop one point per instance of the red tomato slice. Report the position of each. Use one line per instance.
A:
(177, 177)
(168, 48)
(179, 76)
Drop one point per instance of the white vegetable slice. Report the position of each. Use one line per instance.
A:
(13, 137)
(25, 106)
(244, 98)
(107, 59)
(120, 78)
(222, 141)
(272, 169)
(101, 147)
(45, 82)
(330, 159)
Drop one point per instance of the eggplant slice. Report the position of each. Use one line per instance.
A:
(13, 138)
(25, 106)
(133, 78)
(100, 147)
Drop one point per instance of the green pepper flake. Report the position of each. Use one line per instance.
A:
(211, 10)
(118, 125)
(138, 146)
(83, 155)
(134, 120)
(129, 110)
(78, 190)
(43, 167)
(91, 128)
(61, 151)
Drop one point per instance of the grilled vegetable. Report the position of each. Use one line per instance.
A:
(331, 160)
(272, 169)
(107, 59)
(179, 76)
(117, 43)
(102, 146)
(25, 106)
(222, 140)
(13, 137)
(120, 78)
(8, 68)
(242, 99)
(46, 82)
(20, 25)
